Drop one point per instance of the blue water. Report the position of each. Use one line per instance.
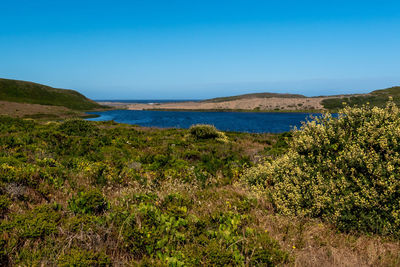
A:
(226, 121)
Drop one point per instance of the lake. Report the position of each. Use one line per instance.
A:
(253, 122)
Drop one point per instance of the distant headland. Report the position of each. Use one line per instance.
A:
(271, 102)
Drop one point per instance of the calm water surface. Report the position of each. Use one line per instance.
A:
(252, 122)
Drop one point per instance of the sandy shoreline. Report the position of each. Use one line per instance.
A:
(253, 104)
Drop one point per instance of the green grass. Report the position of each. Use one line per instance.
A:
(33, 93)
(377, 98)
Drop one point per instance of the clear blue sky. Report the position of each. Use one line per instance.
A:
(195, 49)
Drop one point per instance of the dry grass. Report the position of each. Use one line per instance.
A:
(268, 104)
(309, 241)
(315, 243)
(24, 110)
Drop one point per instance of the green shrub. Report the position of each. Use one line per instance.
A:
(26, 174)
(203, 131)
(80, 257)
(176, 204)
(345, 171)
(228, 241)
(150, 231)
(77, 127)
(8, 124)
(215, 254)
(4, 261)
(266, 251)
(89, 202)
(5, 203)
(37, 223)
(81, 222)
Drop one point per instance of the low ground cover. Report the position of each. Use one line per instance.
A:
(78, 193)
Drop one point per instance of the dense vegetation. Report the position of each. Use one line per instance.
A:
(376, 98)
(345, 171)
(80, 193)
(204, 131)
(33, 93)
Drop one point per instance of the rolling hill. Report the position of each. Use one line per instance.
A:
(250, 96)
(34, 93)
(377, 98)
(333, 103)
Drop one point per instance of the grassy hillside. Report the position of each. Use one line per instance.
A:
(249, 96)
(377, 98)
(33, 93)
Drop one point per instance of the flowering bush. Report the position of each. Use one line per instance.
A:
(206, 131)
(344, 170)
(203, 131)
